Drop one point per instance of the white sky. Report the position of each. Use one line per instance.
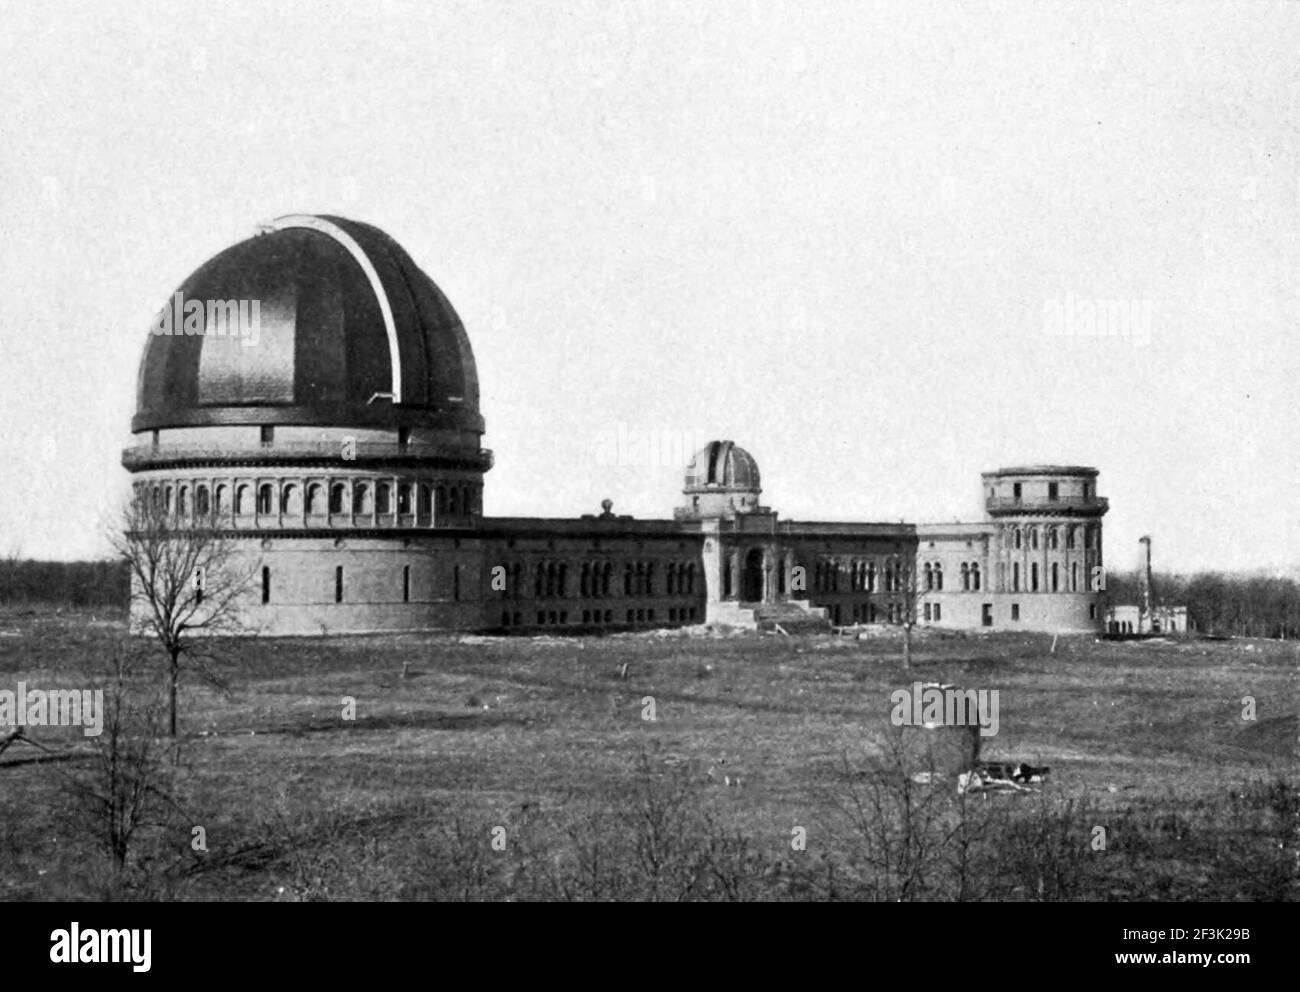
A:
(825, 231)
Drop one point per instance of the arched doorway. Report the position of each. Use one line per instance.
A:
(751, 581)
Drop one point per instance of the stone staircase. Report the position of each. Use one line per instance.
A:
(793, 616)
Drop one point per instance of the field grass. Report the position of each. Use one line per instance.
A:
(546, 738)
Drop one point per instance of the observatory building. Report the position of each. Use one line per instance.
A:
(313, 391)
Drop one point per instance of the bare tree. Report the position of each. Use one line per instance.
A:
(127, 787)
(186, 582)
(910, 589)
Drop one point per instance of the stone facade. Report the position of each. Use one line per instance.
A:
(359, 509)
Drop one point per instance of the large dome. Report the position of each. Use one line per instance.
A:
(350, 333)
(722, 465)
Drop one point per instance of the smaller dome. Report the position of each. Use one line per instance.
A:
(722, 465)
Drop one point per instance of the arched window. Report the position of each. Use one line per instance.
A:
(221, 500)
(383, 498)
(1071, 537)
(441, 501)
(424, 501)
(975, 577)
(628, 574)
(453, 501)
(650, 579)
(1033, 538)
(929, 577)
(362, 502)
(1033, 577)
(607, 579)
(404, 497)
(291, 500)
(265, 498)
(562, 580)
(639, 583)
(517, 579)
(1015, 537)
(337, 492)
(1051, 539)
(584, 580)
(202, 504)
(1056, 577)
(243, 500)
(1015, 576)
(670, 578)
(965, 577)
(938, 576)
(1074, 577)
(183, 501)
(871, 576)
(539, 580)
(315, 500)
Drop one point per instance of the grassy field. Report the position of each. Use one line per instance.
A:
(546, 739)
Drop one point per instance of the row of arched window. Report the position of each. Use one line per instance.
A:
(1022, 537)
(597, 579)
(1055, 576)
(860, 575)
(366, 498)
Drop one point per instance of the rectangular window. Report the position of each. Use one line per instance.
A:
(1092, 611)
(338, 584)
(268, 436)
(938, 614)
(927, 611)
(1015, 491)
(266, 585)
(1015, 611)
(406, 583)
(1053, 491)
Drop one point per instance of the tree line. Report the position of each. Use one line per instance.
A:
(1230, 604)
(104, 584)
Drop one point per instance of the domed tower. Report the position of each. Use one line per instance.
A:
(721, 482)
(314, 390)
(1048, 542)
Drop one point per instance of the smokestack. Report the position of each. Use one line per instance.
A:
(1145, 541)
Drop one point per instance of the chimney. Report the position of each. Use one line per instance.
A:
(1147, 585)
